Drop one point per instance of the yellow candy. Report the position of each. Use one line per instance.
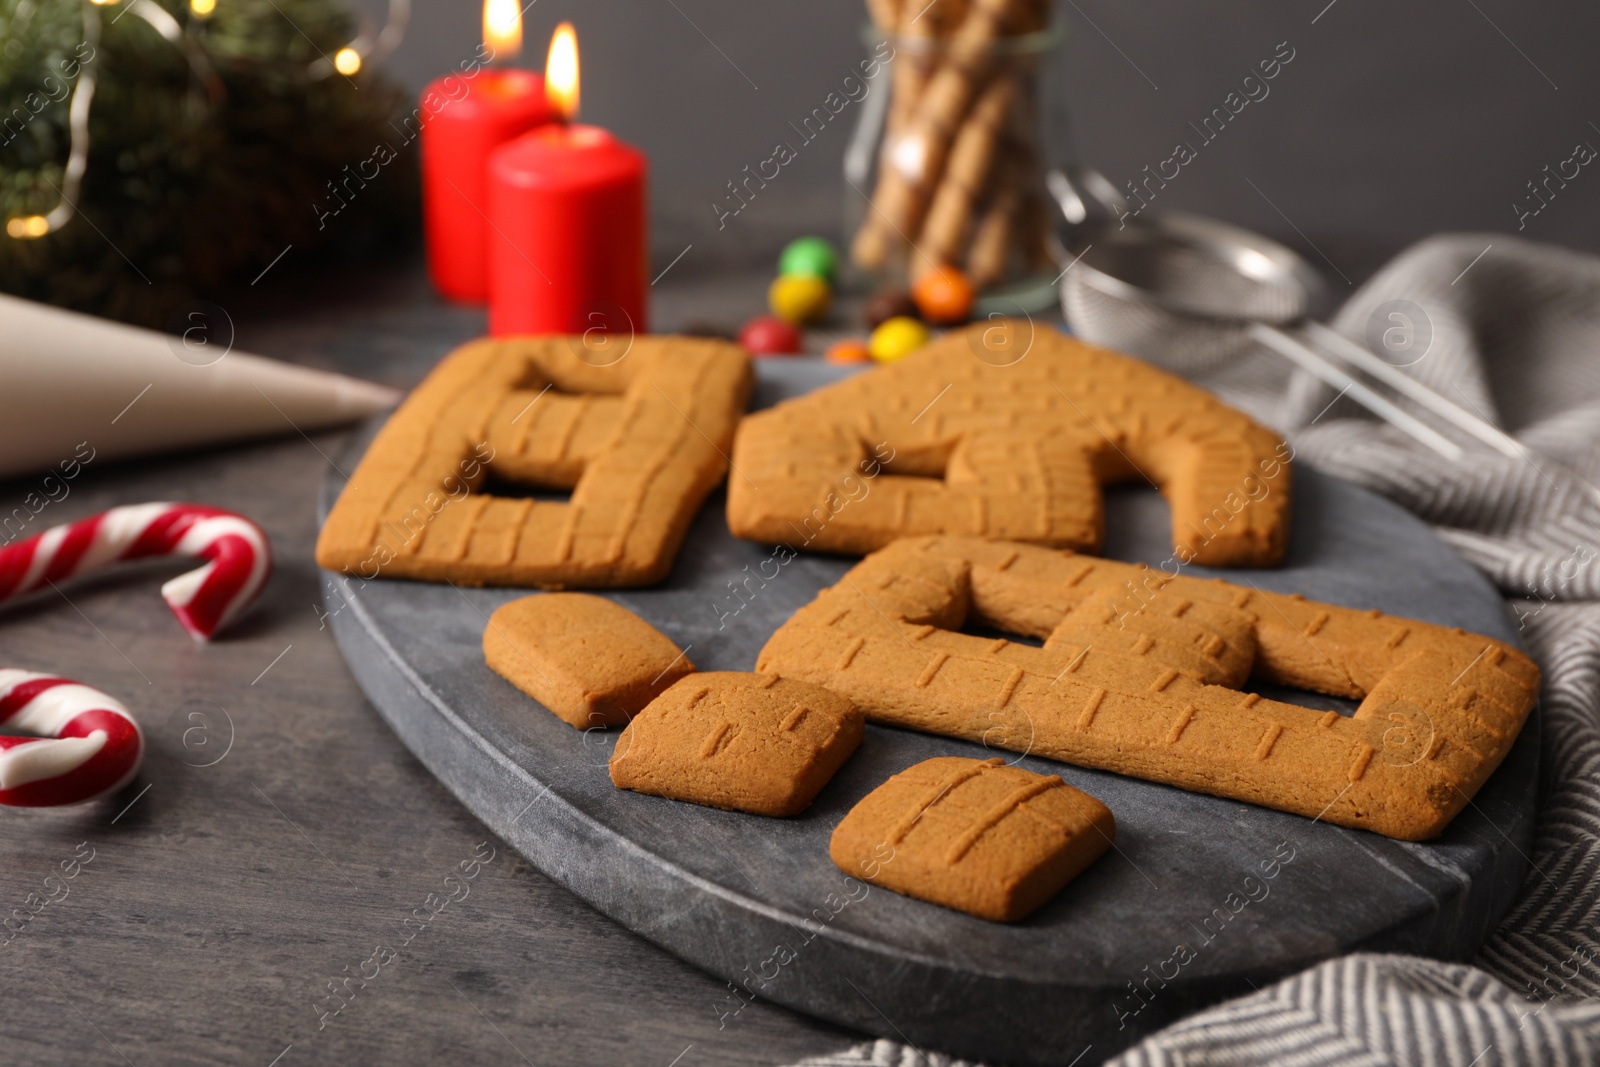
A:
(896, 338)
(799, 298)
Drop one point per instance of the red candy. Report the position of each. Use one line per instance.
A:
(767, 335)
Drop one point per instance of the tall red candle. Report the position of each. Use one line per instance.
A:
(465, 117)
(494, 107)
(568, 246)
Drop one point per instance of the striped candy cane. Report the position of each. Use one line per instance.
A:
(204, 600)
(86, 743)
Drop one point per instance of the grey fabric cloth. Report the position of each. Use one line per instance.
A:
(1515, 334)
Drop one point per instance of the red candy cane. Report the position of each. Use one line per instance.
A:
(87, 745)
(204, 600)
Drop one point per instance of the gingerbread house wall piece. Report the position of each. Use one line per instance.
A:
(640, 440)
(948, 442)
(1134, 690)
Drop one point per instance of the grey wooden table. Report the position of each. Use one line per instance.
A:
(259, 873)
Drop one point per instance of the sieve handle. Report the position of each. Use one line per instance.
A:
(1478, 427)
(1403, 383)
(1309, 359)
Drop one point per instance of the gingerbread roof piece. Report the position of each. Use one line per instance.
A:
(953, 440)
(1139, 674)
(747, 742)
(975, 835)
(640, 440)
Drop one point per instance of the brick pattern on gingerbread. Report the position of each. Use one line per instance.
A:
(1138, 675)
(976, 835)
(640, 442)
(732, 740)
(1017, 451)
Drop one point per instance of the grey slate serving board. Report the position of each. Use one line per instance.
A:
(1250, 894)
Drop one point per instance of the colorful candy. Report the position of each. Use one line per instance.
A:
(944, 296)
(809, 257)
(897, 338)
(85, 744)
(889, 304)
(766, 335)
(239, 559)
(849, 351)
(799, 298)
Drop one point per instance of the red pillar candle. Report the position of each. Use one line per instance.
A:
(568, 245)
(475, 115)
(568, 237)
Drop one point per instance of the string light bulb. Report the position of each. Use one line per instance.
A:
(27, 226)
(346, 61)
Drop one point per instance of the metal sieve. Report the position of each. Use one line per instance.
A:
(1189, 294)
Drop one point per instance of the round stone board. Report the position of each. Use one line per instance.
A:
(1202, 899)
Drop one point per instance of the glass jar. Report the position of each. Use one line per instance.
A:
(947, 166)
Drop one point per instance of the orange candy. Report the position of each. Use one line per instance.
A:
(944, 296)
(850, 351)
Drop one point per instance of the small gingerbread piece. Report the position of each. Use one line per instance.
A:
(742, 742)
(975, 835)
(590, 661)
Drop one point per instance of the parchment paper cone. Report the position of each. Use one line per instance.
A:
(66, 378)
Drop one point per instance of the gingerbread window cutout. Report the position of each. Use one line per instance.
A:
(1138, 674)
(1016, 451)
(639, 440)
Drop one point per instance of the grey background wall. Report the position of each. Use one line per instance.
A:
(1392, 121)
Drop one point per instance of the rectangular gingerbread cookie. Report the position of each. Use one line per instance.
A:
(589, 660)
(975, 835)
(746, 742)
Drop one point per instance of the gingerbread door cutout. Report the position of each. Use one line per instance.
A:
(640, 439)
(1015, 450)
(1140, 673)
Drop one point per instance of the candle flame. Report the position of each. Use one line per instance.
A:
(561, 71)
(502, 27)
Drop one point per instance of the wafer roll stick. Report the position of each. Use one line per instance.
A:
(1029, 17)
(1041, 245)
(885, 14)
(943, 17)
(915, 57)
(972, 157)
(914, 159)
(1034, 230)
(1032, 235)
(992, 240)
